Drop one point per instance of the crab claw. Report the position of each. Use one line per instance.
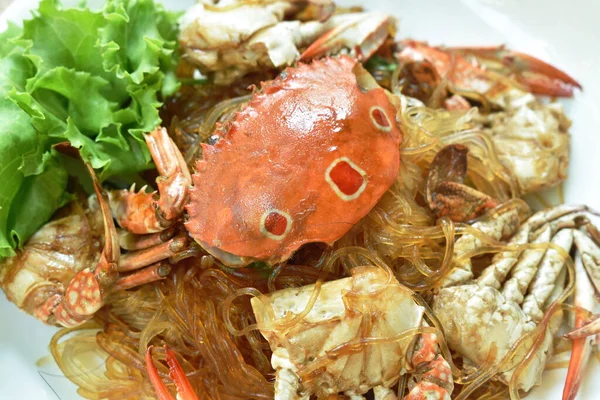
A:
(446, 193)
(362, 33)
(184, 388)
(538, 76)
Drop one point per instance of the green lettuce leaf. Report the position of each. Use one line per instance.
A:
(94, 78)
(30, 176)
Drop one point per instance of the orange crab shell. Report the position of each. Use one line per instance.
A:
(308, 157)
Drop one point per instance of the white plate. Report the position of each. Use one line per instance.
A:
(565, 34)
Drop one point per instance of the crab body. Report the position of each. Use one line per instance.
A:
(309, 156)
(360, 333)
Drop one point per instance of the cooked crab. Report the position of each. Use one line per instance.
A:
(233, 38)
(505, 306)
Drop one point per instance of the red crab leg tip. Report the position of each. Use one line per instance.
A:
(184, 388)
(546, 86)
(527, 63)
(580, 353)
(321, 45)
(161, 389)
(579, 356)
(536, 65)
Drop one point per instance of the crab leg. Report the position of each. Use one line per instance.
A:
(436, 382)
(140, 212)
(503, 221)
(184, 388)
(153, 273)
(590, 256)
(541, 78)
(142, 258)
(132, 242)
(354, 31)
(503, 262)
(582, 347)
(545, 278)
(87, 290)
(540, 228)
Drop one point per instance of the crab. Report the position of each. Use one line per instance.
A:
(504, 307)
(251, 200)
(297, 164)
(355, 337)
(531, 138)
(234, 38)
(446, 192)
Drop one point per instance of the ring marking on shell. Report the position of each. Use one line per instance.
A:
(271, 224)
(380, 119)
(348, 180)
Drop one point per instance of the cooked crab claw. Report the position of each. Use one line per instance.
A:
(363, 33)
(184, 388)
(538, 76)
(446, 193)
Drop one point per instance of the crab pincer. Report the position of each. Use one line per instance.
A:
(446, 191)
(139, 212)
(536, 75)
(184, 388)
(354, 31)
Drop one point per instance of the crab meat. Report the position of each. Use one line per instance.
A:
(370, 304)
(508, 300)
(532, 141)
(239, 37)
(531, 138)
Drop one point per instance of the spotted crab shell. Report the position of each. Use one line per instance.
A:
(308, 157)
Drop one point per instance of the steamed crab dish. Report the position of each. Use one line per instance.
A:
(365, 194)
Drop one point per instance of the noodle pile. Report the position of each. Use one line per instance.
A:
(199, 311)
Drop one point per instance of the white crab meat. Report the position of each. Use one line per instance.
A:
(531, 139)
(371, 303)
(235, 38)
(475, 318)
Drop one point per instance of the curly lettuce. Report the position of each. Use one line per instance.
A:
(93, 78)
